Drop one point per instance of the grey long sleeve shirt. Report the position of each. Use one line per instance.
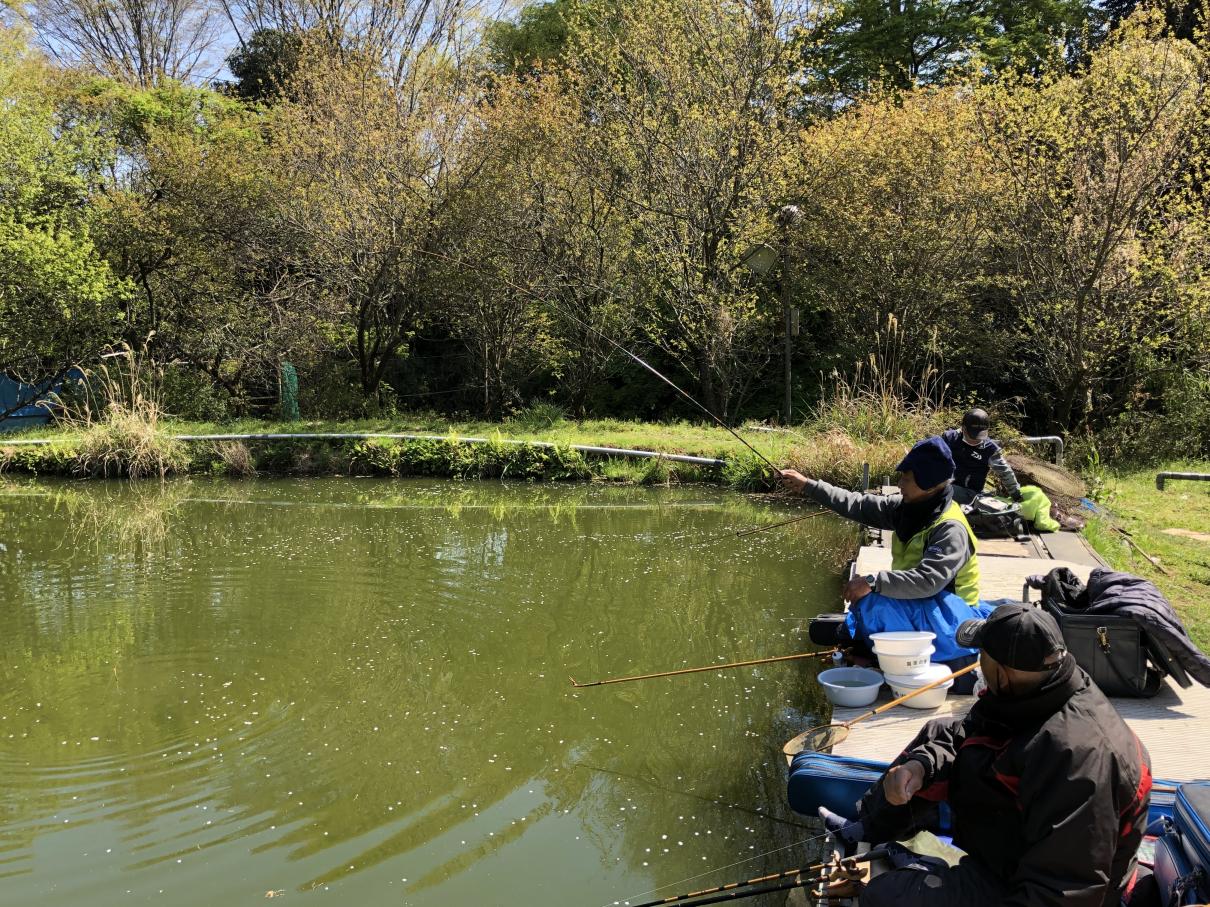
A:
(946, 548)
(1004, 472)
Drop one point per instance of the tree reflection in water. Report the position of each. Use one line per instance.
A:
(219, 688)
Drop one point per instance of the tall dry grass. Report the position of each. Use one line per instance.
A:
(875, 413)
(118, 419)
(890, 395)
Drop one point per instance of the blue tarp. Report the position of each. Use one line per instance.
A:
(32, 413)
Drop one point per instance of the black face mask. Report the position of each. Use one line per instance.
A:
(1014, 712)
(910, 519)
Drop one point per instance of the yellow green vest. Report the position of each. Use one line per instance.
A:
(908, 555)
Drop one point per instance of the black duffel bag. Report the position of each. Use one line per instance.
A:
(1120, 656)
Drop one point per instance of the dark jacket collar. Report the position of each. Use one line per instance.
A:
(909, 519)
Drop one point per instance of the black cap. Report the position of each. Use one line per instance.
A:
(1018, 636)
(977, 423)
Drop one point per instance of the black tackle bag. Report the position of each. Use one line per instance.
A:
(1121, 657)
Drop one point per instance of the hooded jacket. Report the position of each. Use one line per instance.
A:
(1048, 792)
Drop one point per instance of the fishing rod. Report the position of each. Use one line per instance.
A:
(734, 664)
(742, 893)
(733, 890)
(797, 519)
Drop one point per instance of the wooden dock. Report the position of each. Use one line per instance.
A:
(1173, 725)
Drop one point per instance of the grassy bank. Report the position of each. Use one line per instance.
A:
(1166, 525)
(825, 449)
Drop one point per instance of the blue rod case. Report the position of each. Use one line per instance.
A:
(838, 782)
(1182, 852)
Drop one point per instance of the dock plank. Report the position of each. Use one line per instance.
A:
(999, 577)
(1167, 724)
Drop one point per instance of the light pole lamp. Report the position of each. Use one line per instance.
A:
(760, 260)
(787, 217)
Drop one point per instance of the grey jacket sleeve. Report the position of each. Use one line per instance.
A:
(868, 509)
(946, 549)
(1004, 473)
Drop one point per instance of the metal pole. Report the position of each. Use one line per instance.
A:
(785, 312)
(787, 217)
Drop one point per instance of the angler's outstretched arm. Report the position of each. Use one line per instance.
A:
(868, 509)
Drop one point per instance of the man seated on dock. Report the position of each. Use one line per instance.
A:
(933, 583)
(1048, 788)
(976, 455)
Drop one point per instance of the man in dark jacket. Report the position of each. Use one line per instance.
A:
(975, 455)
(1047, 787)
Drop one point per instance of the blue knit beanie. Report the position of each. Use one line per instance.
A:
(929, 461)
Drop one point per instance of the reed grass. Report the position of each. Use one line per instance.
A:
(117, 421)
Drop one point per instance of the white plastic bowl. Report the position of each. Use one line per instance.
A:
(850, 686)
(905, 665)
(902, 642)
(902, 685)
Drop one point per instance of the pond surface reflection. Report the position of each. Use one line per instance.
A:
(217, 690)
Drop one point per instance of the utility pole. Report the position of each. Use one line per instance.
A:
(787, 217)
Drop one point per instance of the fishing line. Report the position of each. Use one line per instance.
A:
(758, 856)
(684, 793)
(672, 384)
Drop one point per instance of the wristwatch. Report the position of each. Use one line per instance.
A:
(871, 580)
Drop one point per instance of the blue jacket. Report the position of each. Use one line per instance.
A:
(940, 614)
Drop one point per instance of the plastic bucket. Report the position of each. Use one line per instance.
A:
(904, 684)
(850, 686)
(902, 642)
(905, 665)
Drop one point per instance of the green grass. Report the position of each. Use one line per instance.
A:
(1135, 505)
(821, 448)
(320, 457)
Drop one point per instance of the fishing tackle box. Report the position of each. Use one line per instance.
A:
(837, 782)
(1182, 852)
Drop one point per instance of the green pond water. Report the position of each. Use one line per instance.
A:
(356, 691)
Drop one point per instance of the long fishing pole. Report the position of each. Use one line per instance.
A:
(742, 893)
(848, 862)
(797, 519)
(734, 664)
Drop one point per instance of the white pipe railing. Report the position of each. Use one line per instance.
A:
(1054, 440)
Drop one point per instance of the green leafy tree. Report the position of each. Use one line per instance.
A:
(538, 36)
(689, 106)
(59, 298)
(856, 45)
(373, 171)
(264, 65)
(187, 216)
(1102, 234)
(898, 201)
